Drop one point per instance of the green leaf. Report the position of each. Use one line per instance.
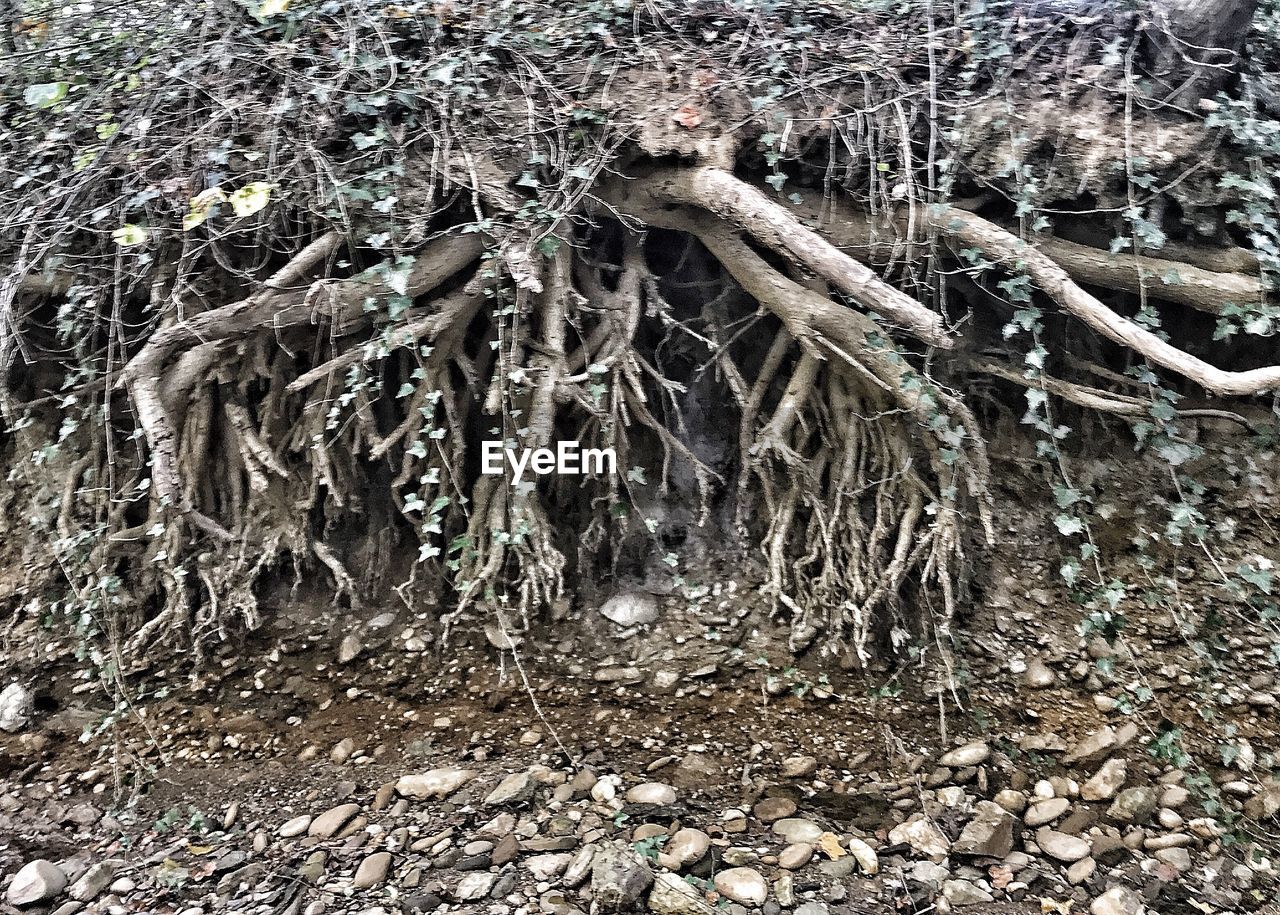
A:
(251, 198)
(129, 235)
(45, 95)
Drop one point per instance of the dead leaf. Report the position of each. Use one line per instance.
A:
(1001, 876)
(687, 116)
(829, 843)
(1048, 905)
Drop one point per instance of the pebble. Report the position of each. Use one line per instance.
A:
(794, 830)
(1134, 805)
(516, 788)
(1013, 801)
(1062, 847)
(688, 846)
(772, 809)
(618, 879)
(93, 881)
(437, 783)
(1081, 871)
(1046, 811)
(372, 870)
(971, 754)
(1038, 675)
(671, 895)
(545, 867)
(1118, 900)
(988, 835)
(1177, 858)
(799, 766)
(923, 836)
(332, 820)
(342, 751)
(865, 856)
(630, 608)
(794, 857)
(474, 886)
(1106, 781)
(295, 827)
(962, 892)
(652, 793)
(15, 707)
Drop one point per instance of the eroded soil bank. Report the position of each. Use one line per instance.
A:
(1040, 769)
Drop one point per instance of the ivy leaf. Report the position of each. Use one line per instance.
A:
(202, 205)
(251, 198)
(427, 551)
(129, 235)
(1068, 525)
(45, 95)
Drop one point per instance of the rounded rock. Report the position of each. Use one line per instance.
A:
(688, 846)
(772, 809)
(794, 830)
(796, 856)
(652, 793)
(971, 754)
(295, 827)
(37, 881)
(743, 885)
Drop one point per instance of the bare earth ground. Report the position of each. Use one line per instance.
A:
(705, 701)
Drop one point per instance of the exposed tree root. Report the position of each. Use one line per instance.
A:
(1013, 253)
(1203, 278)
(839, 448)
(873, 473)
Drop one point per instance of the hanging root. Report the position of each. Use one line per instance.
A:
(868, 468)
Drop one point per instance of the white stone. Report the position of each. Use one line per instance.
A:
(865, 855)
(1046, 811)
(688, 846)
(437, 783)
(544, 867)
(794, 830)
(295, 827)
(1106, 782)
(474, 886)
(652, 793)
(37, 881)
(742, 884)
(15, 707)
(1118, 900)
(630, 608)
(971, 754)
(922, 836)
(1062, 847)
